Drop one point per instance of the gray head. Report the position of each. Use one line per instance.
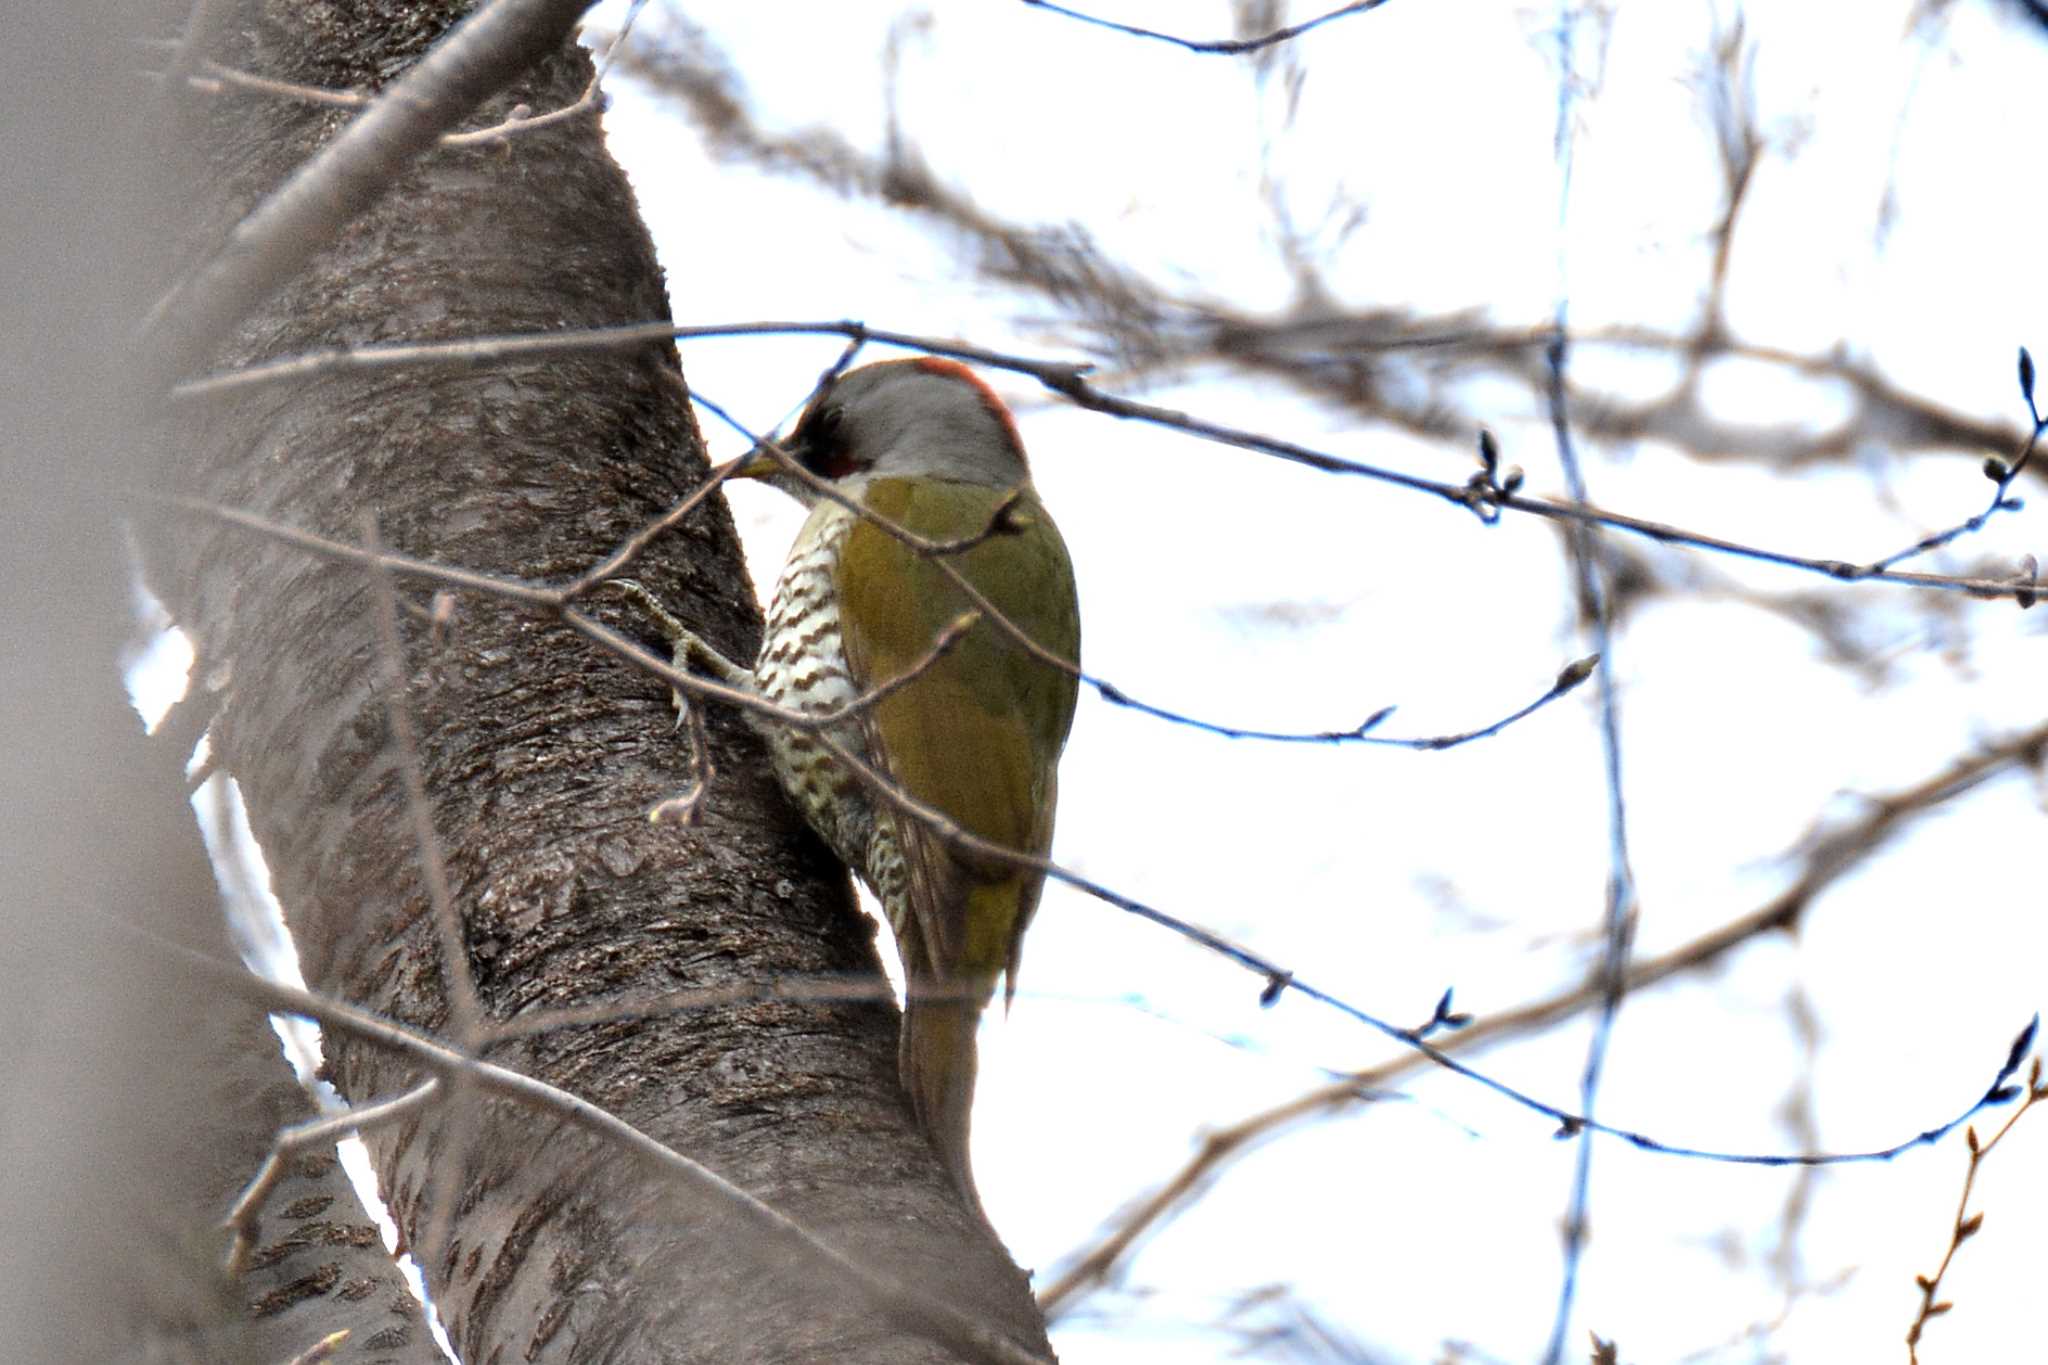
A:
(925, 418)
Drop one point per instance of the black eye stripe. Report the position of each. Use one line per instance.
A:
(822, 441)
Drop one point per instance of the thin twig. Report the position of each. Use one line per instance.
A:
(1618, 917)
(222, 76)
(1567, 680)
(635, 545)
(512, 348)
(1000, 522)
(547, 599)
(942, 644)
(1826, 858)
(1213, 46)
(935, 551)
(465, 1010)
(202, 22)
(276, 240)
(591, 101)
(687, 806)
(938, 1321)
(1069, 379)
(2001, 474)
(1967, 1224)
(1274, 978)
(290, 1141)
(831, 991)
(322, 1349)
(514, 591)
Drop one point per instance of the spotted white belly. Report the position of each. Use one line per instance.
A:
(803, 668)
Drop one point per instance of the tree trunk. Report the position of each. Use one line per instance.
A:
(540, 756)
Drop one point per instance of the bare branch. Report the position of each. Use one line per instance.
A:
(1069, 379)
(479, 352)
(1276, 979)
(1618, 918)
(1825, 856)
(219, 77)
(276, 240)
(621, 559)
(201, 24)
(936, 551)
(465, 1010)
(862, 989)
(1330, 354)
(322, 1349)
(1568, 679)
(2001, 474)
(1216, 46)
(940, 1322)
(313, 1134)
(1966, 1224)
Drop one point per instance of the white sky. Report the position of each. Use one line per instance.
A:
(1432, 1218)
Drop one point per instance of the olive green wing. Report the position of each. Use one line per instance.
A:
(976, 735)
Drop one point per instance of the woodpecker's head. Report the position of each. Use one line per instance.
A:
(902, 419)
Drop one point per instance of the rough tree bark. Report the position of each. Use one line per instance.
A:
(540, 756)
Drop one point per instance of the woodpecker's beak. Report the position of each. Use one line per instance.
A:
(756, 464)
(759, 466)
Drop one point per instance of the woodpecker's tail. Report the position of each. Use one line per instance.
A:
(935, 1059)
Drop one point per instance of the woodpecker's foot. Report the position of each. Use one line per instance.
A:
(685, 808)
(689, 654)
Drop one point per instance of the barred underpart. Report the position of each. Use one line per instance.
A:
(803, 668)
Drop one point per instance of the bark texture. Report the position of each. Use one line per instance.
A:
(540, 756)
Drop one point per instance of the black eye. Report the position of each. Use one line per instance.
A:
(822, 445)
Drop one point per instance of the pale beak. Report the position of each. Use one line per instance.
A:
(756, 464)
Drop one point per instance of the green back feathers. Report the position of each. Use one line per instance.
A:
(978, 734)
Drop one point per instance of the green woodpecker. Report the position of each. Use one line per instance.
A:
(975, 733)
